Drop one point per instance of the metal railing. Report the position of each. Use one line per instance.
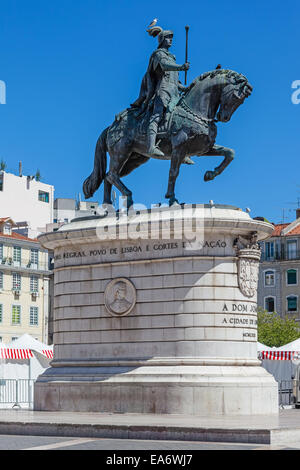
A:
(285, 392)
(280, 256)
(8, 262)
(16, 392)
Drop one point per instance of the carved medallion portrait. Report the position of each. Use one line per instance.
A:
(120, 296)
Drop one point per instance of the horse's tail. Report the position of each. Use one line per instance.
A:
(93, 182)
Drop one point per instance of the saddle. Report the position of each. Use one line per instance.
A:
(163, 127)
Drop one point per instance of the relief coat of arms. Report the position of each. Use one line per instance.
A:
(248, 266)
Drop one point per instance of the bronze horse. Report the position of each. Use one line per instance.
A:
(191, 131)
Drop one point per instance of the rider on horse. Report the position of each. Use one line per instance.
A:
(160, 88)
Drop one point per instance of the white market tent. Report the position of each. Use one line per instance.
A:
(262, 347)
(28, 342)
(24, 358)
(280, 361)
(293, 346)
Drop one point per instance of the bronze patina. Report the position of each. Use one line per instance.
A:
(167, 121)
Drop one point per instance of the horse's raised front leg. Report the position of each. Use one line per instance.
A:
(176, 160)
(215, 151)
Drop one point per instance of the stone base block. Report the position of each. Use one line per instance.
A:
(156, 312)
(194, 390)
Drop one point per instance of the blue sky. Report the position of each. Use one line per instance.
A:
(70, 66)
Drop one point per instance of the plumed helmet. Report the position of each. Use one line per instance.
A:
(161, 33)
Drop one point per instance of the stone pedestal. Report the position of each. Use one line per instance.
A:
(156, 313)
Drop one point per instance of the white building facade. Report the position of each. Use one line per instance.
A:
(65, 210)
(27, 200)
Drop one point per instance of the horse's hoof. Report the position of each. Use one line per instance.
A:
(174, 202)
(129, 203)
(209, 175)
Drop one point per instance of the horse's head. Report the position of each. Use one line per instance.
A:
(218, 92)
(234, 92)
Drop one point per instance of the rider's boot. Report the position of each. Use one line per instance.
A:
(188, 161)
(153, 150)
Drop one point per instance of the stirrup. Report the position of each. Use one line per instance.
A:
(156, 151)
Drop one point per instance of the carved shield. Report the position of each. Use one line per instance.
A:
(248, 266)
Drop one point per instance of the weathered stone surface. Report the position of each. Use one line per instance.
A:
(187, 344)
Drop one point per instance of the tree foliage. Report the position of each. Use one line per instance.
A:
(275, 331)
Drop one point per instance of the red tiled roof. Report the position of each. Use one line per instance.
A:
(294, 231)
(278, 229)
(18, 236)
(14, 235)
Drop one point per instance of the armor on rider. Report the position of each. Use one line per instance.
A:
(160, 88)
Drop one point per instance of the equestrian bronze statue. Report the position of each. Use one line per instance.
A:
(168, 121)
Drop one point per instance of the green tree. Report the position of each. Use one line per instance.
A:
(275, 331)
(2, 165)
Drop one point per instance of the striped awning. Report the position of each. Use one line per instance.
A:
(48, 353)
(279, 355)
(10, 353)
(22, 353)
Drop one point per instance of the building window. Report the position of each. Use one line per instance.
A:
(270, 304)
(43, 196)
(269, 250)
(292, 249)
(17, 256)
(34, 284)
(1, 280)
(16, 315)
(278, 249)
(291, 276)
(1, 313)
(16, 281)
(292, 303)
(269, 278)
(34, 258)
(34, 316)
(7, 229)
(1, 251)
(1, 181)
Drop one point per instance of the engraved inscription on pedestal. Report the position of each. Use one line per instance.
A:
(120, 297)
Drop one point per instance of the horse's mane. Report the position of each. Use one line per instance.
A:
(228, 73)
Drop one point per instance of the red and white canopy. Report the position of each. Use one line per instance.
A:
(48, 353)
(24, 348)
(18, 353)
(279, 355)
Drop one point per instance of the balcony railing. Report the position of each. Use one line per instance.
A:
(282, 256)
(8, 262)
